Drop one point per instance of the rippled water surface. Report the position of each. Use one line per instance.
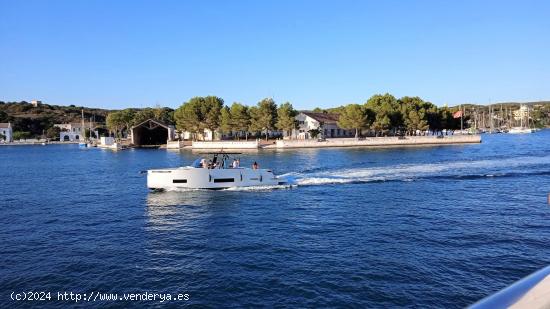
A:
(426, 227)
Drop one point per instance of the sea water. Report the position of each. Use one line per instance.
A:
(419, 226)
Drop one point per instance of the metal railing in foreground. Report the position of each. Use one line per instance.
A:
(532, 291)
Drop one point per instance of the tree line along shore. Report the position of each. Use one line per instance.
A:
(380, 115)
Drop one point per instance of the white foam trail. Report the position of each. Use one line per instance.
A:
(408, 172)
(259, 188)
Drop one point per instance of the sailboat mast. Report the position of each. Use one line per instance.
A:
(90, 128)
(491, 118)
(528, 124)
(83, 127)
(521, 118)
(461, 118)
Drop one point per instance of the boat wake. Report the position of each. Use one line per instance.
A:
(511, 167)
(261, 188)
(454, 170)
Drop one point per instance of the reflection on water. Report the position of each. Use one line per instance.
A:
(184, 209)
(177, 210)
(181, 197)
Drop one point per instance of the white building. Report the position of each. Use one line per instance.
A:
(325, 123)
(36, 103)
(72, 132)
(521, 113)
(209, 135)
(107, 140)
(7, 132)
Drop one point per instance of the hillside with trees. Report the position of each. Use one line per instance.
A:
(380, 115)
(29, 121)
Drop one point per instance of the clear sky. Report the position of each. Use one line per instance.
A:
(117, 54)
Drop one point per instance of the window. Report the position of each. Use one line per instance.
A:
(179, 181)
(224, 179)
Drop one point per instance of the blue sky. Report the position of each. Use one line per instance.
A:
(117, 54)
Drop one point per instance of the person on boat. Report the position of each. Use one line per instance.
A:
(255, 165)
(235, 163)
(203, 163)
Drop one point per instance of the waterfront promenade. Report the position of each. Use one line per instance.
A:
(393, 141)
(380, 141)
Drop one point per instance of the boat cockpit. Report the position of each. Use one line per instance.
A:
(218, 161)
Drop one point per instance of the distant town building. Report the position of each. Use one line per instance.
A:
(521, 113)
(7, 132)
(35, 103)
(73, 132)
(325, 123)
(107, 140)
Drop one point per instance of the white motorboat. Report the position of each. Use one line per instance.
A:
(216, 173)
(520, 130)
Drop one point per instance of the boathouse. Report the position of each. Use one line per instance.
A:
(151, 133)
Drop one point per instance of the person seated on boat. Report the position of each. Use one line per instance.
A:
(203, 163)
(209, 165)
(197, 163)
(255, 165)
(235, 163)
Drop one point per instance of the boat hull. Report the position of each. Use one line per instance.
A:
(520, 130)
(202, 178)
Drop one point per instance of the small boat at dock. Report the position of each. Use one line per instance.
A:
(520, 130)
(524, 125)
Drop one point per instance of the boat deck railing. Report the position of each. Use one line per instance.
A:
(532, 291)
